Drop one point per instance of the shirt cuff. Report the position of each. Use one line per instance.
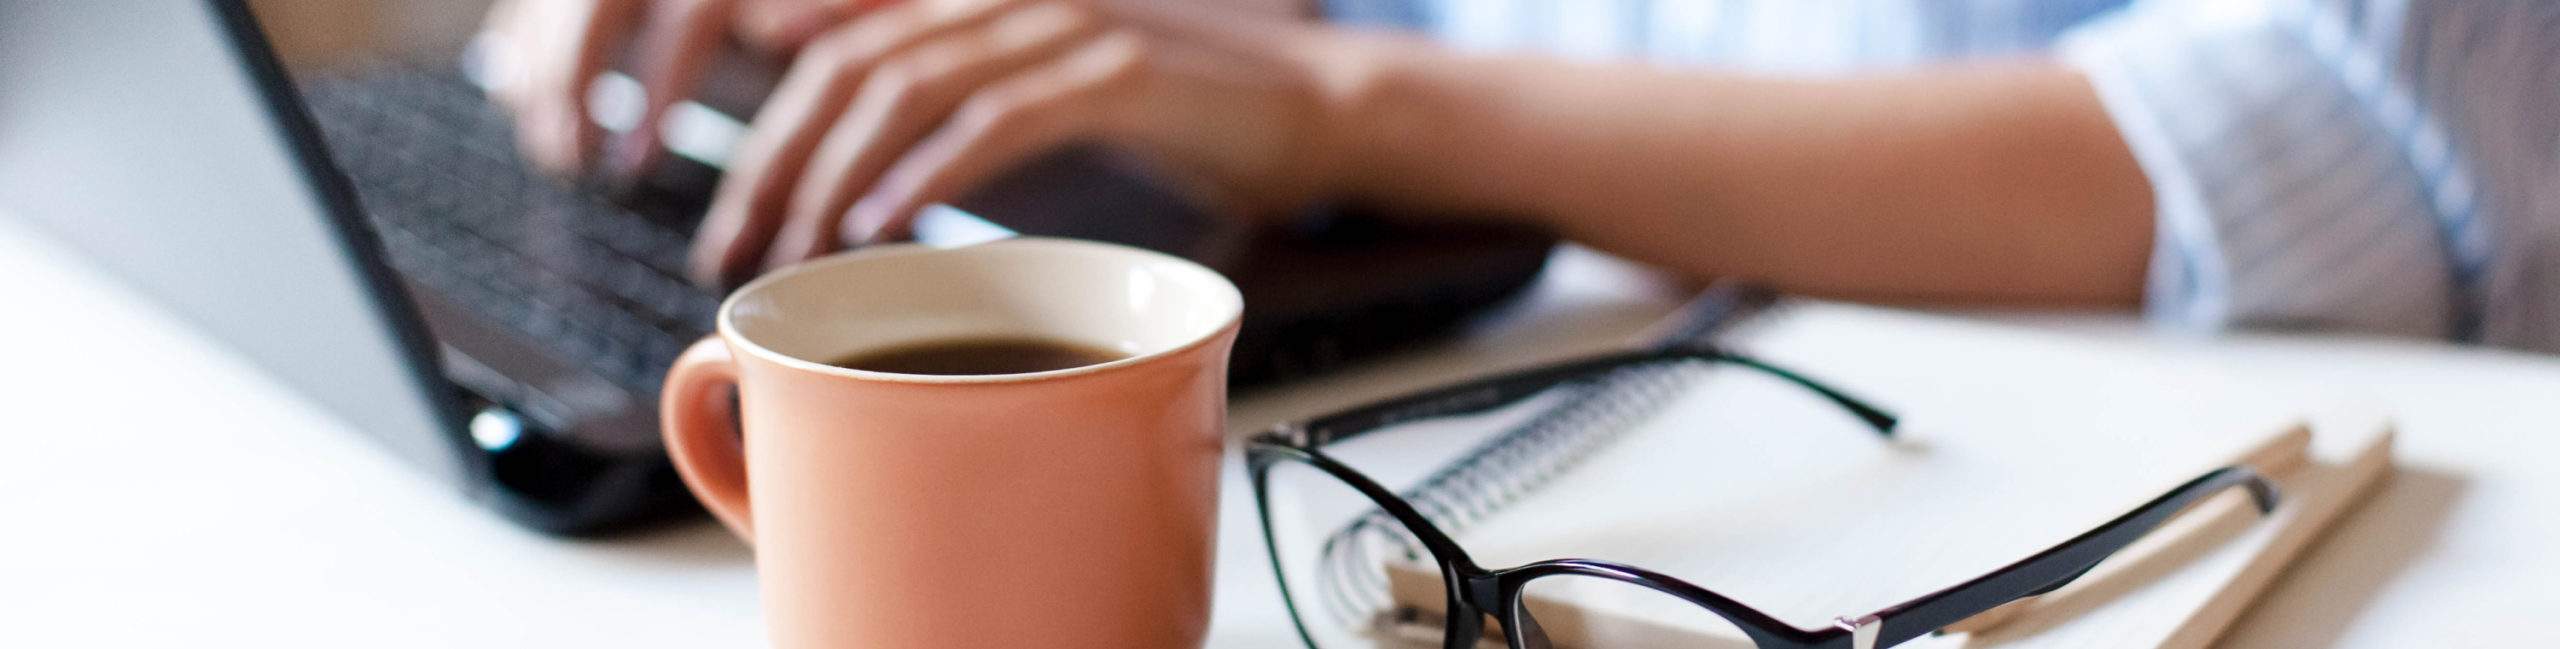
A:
(2281, 202)
(1410, 15)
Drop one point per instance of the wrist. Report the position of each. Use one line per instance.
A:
(1362, 109)
(1424, 131)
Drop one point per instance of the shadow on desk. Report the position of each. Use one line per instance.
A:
(1535, 329)
(693, 543)
(2318, 600)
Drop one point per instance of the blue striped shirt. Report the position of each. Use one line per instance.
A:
(2380, 166)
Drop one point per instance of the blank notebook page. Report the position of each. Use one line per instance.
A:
(1749, 489)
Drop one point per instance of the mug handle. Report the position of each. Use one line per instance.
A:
(699, 419)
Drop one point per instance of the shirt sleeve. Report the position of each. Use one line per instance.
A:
(1410, 15)
(2308, 162)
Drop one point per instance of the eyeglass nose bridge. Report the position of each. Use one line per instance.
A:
(1483, 592)
(1479, 595)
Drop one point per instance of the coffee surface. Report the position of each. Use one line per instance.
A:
(964, 356)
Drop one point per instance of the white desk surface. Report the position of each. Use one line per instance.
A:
(157, 492)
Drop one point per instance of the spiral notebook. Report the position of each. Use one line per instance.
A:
(1583, 419)
(1793, 526)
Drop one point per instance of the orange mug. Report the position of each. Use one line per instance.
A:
(1066, 508)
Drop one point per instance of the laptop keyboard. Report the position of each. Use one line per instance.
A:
(435, 166)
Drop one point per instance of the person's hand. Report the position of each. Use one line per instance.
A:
(546, 52)
(922, 100)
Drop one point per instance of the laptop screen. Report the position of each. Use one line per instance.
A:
(160, 138)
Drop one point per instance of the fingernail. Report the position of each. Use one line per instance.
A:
(704, 277)
(787, 250)
(569, 149)
(862, 223)
(630, 161)
(626, 162)
(705, 271)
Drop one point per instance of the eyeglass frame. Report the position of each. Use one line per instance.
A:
(1475, 592)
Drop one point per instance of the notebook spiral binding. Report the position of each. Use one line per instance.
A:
(1586, 417)
(1519, 460)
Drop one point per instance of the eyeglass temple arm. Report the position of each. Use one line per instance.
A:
(1882, 422)
(2059, 565)
(1490, 393)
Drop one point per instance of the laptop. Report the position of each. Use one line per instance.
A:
(370, 238)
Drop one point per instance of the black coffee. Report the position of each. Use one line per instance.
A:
(979, 356)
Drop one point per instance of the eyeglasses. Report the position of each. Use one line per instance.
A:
(1331, 572)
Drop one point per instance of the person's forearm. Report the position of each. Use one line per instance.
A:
(1991, 182)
